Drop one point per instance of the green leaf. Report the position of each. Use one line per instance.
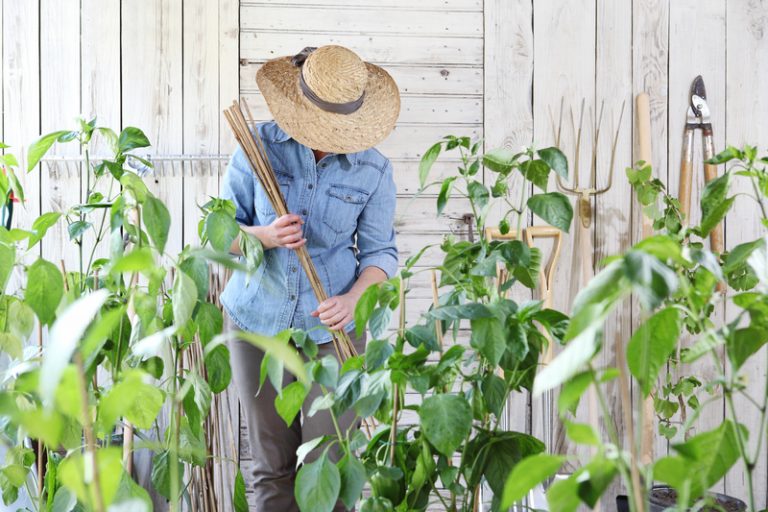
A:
(41, 225)
(554, 208)
(581, 433)
(157, 220)
(528, 473)
(45, 288)
(40, 147)
(488, 337)
(218, 368)
(537, 172)
(379, 321)
(743, 343)
(220, 229)
(594, 479)
(273, 347)
(317, 486)
(7, 261)
(138, 260)
(725, 155)
(500, 160)
(65, 334)
(494, 392)
(239, 500)
(478, 194)
(364, 308)
(197, 268)
(650, 346)
(445, 194)
(135, 185)
(556, 160)
(376, 353)
(505, 450)
(77, 228)
(714, 204)
(11, 344)
(21, 319)
(446, 420)
(131, 138)
(161, 473)
(288, 403)
(184, 298)
(134, 398)
(353, 477)
(427, 161)
(73, 469)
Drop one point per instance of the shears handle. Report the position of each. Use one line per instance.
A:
(686, 173)
(710, 173)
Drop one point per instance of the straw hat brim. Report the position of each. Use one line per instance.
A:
(278, 80)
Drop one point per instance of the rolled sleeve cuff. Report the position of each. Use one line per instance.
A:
(386, 262)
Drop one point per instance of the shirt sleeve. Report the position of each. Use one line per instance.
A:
(375, 228)
(238, 187)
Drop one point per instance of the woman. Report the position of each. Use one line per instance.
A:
(330, 109)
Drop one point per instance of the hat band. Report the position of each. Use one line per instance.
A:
(334, 108)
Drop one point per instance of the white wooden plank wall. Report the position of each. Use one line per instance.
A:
(485, 68)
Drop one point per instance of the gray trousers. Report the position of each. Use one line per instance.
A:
(273, 444)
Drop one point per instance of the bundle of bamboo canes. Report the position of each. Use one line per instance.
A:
(256, 154)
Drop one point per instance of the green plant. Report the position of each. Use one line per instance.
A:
(459, 441)
(674, 278)
(122, 331)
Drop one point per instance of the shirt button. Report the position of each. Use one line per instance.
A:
(293, 297)
(304, 212)
(323, 165)
(310, 186)
(293, 269)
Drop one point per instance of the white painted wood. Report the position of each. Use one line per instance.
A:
(697, 46)
(564, 67)
(613, 219)
(650, 60)
(152, 91)
(745, 123)
(379, 49)
(367, 22)
(60, 106)
(403, 5)
(418, 79)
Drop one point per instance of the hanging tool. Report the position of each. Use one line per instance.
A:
(698, 118)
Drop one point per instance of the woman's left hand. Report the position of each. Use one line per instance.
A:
(336, 312)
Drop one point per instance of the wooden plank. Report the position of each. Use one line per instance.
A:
(403, 5)
(421, 110)
(21, 106)
(152, 98)
(100, 79)
(745, 122)
(421, 79)
(568, 31)
(60, 106)
(650, 39)
(374, 21)
(697, 46)
(613, 221)
(379, 49)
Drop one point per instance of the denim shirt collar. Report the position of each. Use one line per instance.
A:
(279, 136)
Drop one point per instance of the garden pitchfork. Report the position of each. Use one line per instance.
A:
(698, 117)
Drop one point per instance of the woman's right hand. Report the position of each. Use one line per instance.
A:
(285, 231)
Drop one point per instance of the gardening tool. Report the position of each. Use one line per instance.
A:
(698, 118)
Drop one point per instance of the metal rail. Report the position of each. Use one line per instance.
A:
(162, 165)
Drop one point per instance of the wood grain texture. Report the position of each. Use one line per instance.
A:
(745, 123)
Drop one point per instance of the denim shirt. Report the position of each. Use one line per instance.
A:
(347, 202)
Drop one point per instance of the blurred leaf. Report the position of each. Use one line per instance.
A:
(554, 208)
(353, 478)
(427, 160)
(288, 403)
(65, 334)
(41, 225)
(488, 338)
(218, 368)
(528, 473)
(376, 353)
(365, 306)
(594, 478)
(74, 473)
(445, 420)
(11, 344)
(40, 147)
(743, 343)
(132, 138)
(220, 229)
(275, 348)
(317, 486)
(239, 500)
(157, 221)
(197, 268)
(7, 261)
(139, 259)
(651, 345)
(714, 204)
(45, 287)
(161, 473)
(184, 299)
(379, 321)
(581, 433)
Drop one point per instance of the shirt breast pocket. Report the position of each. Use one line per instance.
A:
(343, 206)
(264, 206)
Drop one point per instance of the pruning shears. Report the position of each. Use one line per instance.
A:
(698, 118)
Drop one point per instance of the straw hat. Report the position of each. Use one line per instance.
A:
(328, 99)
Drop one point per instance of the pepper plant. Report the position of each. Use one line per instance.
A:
(120, 330)
(675, 279)
(459, 441)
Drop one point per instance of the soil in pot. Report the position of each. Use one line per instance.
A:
(664, 497)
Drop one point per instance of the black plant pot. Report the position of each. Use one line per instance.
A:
(663, 497)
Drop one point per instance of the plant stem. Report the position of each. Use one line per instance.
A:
(90, 440)
(174, 428)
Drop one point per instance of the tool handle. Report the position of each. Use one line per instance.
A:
(710, 173)
(686, 174)
(643, 103)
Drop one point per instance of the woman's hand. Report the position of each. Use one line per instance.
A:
(285, 231)
(338, 311)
